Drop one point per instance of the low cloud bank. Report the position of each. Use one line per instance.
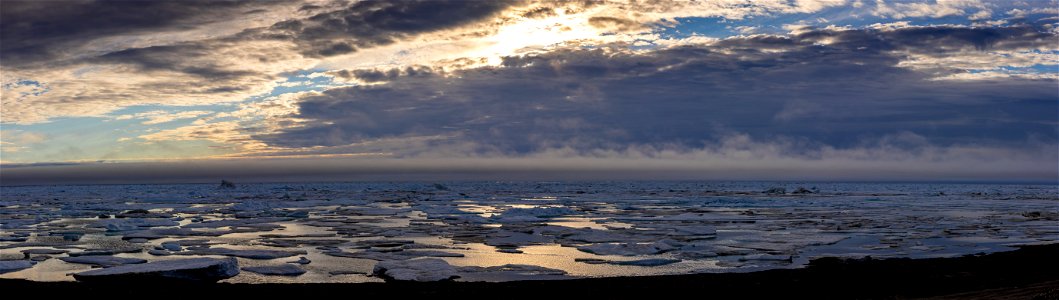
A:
(737, 158)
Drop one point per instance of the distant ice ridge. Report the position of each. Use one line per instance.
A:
(497, 231)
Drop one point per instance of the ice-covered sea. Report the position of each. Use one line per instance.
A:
(497, 231)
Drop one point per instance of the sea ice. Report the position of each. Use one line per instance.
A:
(516, 239)
(172, 246)
(129, 224)
(423, 269)
(29, 252)
(509, 272)
(251, 254)
(650, 262)
(535, 214)
(193, 269)
(103, 261)
(280, 270)
(301, 261)
(765, 257)
(393, 256)
(7, 266)
(105, 252)
(627, 249)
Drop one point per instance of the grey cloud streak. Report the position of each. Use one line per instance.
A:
(38, 31)
(374, 23)
(35, 31)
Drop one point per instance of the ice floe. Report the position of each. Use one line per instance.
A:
(29, 252)
(650, 262)
(251, 254)
(423, 269)
(628, 249)
(7, 266)
(301, 261)
(103, 261)
(280, 270)
(115, 225)
(194, 269)
(393, 256)
(510, 272)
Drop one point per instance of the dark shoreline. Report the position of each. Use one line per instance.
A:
(1030, 272)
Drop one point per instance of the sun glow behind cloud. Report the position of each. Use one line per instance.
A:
(513, 39)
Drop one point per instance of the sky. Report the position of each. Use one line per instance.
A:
(713, 89)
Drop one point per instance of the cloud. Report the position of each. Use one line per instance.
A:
(16, 140)
(374, 23)
(194, 53)
(619, 24)
(161, 116)
(931, 9)
(35, 31)
(834, 87)
(736, 157)
(188, 73)
(188, 52)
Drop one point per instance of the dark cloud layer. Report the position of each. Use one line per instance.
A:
(40, 31)
(839, 88)
(174, 58)
(372, 23)
(34, 31)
